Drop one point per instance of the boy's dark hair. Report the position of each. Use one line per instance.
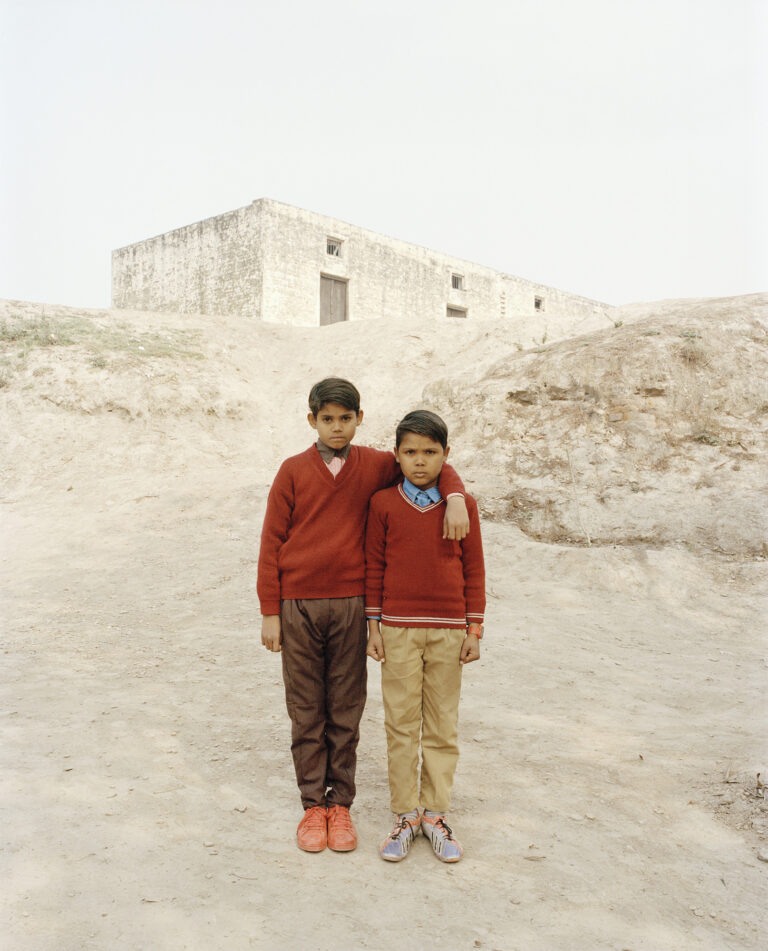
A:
(334, 390)
(424, 423)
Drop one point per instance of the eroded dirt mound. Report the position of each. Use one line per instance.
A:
(653, 432)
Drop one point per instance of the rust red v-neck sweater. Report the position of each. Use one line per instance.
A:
(313, 536)
(415, 577)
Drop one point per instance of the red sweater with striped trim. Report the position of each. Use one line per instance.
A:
(414, 577)
(314, 527)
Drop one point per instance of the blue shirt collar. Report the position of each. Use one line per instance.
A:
(421, 497)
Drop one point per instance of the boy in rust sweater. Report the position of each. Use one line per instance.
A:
(425, 602)
(311, 581)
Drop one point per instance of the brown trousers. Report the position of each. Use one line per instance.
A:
(324, 670)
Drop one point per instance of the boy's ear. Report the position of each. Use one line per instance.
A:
(312, 420)
(445, 454)
(359, 417)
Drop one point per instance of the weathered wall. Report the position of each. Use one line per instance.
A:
(266, 260)
(210, 267)
(387, 277)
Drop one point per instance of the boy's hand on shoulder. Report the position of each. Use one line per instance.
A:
(470, 649)
(271, 633)
(375, 642)
(456, 521)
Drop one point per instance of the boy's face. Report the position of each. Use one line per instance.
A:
(335, 424)
(421, 459)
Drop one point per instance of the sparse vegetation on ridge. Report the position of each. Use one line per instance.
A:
(22, 335)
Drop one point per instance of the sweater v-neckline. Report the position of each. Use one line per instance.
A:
(419, 508)
(341, 475)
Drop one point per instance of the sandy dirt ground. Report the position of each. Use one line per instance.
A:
(611, 734)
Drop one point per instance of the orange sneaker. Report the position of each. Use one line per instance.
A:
(312, 834)
(341, 833)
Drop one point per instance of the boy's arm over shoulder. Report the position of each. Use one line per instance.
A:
(456, 524)
(277, 520)
(450, 482)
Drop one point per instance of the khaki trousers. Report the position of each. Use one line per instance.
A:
(421, 685)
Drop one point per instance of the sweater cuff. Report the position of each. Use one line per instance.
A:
(269, 607)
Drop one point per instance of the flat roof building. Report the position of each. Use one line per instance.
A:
(277, 263)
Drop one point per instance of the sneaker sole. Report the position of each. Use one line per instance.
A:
(446, 861)
(350, 848)
(394, 858)
(317, 848)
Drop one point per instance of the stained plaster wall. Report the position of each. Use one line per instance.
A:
(210, 267)
(266, 260)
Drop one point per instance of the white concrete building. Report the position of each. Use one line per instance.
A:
(278, 263)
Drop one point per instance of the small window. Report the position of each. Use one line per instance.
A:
(333, 247)
(538, 303)
(457, 282)
(455, 312)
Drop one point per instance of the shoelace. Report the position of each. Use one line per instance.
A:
(446, 827)
(342, 818)
(315, 818)
(400, 826)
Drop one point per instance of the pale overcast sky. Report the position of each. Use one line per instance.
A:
(613, 148)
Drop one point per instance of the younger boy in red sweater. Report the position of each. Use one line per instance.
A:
(311, 580)
(425, 601)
